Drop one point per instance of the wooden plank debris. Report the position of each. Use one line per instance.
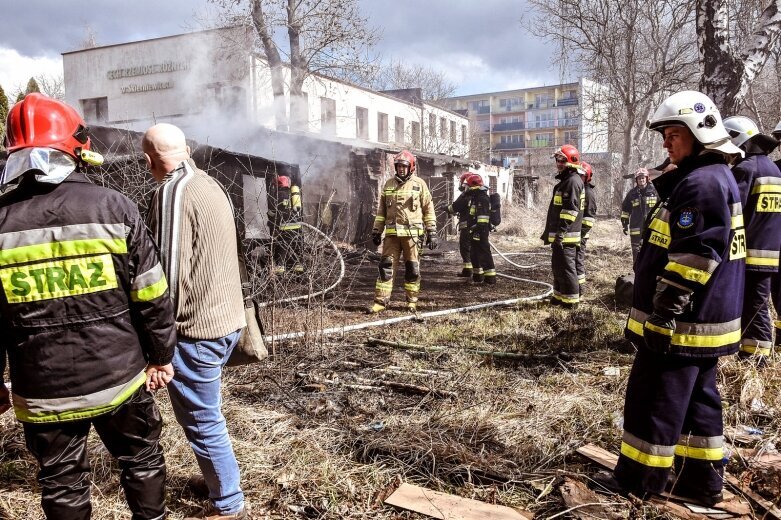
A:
(599, 455)
(448, 507)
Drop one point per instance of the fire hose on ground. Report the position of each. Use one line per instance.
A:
(318, 293)
(418, 316)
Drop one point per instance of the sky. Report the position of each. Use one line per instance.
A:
(480, 46)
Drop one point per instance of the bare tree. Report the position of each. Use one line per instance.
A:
(638, 51)
(435, 85)
(53, 85)
(732, 59)
(328, 37)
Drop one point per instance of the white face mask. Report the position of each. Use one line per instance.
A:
(52, 166)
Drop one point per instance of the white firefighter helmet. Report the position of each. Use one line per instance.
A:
(697, 112)
(740, 129)
(777, 130)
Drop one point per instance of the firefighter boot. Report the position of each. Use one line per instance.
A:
(412, 307)
(489, 276)
(375, 308)
(466, 272)
(477, 276)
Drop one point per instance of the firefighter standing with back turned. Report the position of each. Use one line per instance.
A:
(285, 225)
(464, 239)
(634, 210)
(759, 182)
(87, 320)
(406, 214)
(589, 216)
(476, 203)
(685, 313)
(562, 226)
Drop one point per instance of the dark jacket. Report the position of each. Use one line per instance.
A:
(475, 203)
(85, 303)
(565, 211)
(285, 209)
(637, 204)
(759, 183)
(695, 241)
(590, 212)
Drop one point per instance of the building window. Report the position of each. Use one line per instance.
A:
(95, 110)
(432, 125)
(543, 101)
(442, 128)
(415, 129)
(362, 123)
(453, 131)
(463, 134)
(398, 128)
(382, 127)
(483, 126)
(542, 140)
(327, 115)
(571, 137)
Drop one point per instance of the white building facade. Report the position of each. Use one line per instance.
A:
(208, 84)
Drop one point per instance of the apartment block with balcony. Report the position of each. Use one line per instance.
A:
(509, 125)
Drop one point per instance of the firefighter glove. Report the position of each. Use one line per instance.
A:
(658, 333)
(626, 231)
(431, 239)
(376, 238)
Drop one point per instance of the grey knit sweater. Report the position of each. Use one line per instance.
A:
(192, 222)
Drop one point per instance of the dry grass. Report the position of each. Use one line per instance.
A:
(507, 434)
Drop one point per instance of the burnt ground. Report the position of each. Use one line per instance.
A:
(441, 288)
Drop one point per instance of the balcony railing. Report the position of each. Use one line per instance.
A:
(569, 122)
(484, 110)
(509, 146)
(564, 102)
(506, 127)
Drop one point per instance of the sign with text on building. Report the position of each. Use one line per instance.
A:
(144, 70)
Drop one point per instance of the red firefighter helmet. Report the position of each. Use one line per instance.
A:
(569, 153)
(283, 181)
(39, 121)
(405, 158)
(474, 180)
(587, 171)
(641, 172)
(464, 177)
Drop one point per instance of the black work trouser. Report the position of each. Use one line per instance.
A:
(464, 247)
(580, 261)
(288, 249)
(637, 243)
(565, 275)
(131, 433)
(757, 337)
(482, 260)
(672, 416)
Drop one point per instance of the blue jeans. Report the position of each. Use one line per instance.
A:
(195, 397)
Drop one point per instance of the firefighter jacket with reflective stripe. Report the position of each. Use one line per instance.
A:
(695, 241)
(84, 302)
(463, 212)
(565, 212)
(759, 183)
(285, 214)
(405, 209)
(590, 211)
(476, 204)
(637, 204)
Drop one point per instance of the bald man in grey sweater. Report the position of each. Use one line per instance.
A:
(192, 221)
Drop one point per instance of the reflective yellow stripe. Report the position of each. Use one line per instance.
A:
(150, 292)
(755, 349)
(699, 453)
(634, 326)
(766, 262)
(688, 340)
(68, 248)
(659, 239)
(557, 200)
(661, 226)
(566, 216)
(654, 461)
(624, 214)
(737, 221)
(289, 227)
(689, 273)
(766, 188)
(659, 330)
(379, 219)
(25, 415)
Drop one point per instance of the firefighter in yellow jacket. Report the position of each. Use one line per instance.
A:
(406, 214)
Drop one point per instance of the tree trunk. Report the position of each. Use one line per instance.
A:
(298, 66)
(274, 62)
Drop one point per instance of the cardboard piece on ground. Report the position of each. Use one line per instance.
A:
(584, 503)
(772, 510)
(448, 507)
